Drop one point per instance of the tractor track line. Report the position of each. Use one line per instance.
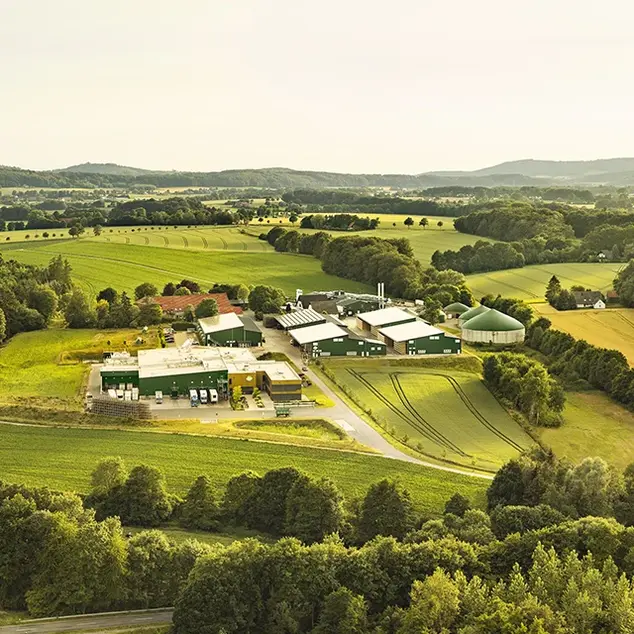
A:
(478, 416)
(390, 406)
(400, 392)
(426, 433)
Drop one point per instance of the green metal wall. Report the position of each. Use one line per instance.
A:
(112, 377)
(434, 346)
(342, 348)
(182, 382)
(232, 337)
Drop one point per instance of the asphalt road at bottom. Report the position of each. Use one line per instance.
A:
(91, 622)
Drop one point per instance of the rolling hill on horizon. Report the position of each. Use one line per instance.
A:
(615, 171)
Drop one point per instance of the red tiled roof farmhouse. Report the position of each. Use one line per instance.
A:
(178, 303)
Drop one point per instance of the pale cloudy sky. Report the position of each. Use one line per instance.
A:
(339, 85)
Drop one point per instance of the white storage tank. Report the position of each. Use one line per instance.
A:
(492, 326)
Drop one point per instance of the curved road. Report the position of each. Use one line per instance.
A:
(102, 621)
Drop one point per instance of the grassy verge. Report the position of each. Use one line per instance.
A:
(64, 458)
(11, 618)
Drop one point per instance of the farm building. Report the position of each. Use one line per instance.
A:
(300, 319)
(472, 312)
(174, 371)
(453, 311)
(326, 340)
(492, 326)
(228, 330)
(589, 299)
(358, 304)
(373, 321)
(175, 305)
(418, 337)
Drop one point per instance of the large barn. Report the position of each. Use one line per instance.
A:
(418, 337)
(494, 327)
(373, 321)
(228, 330)
(331, 340)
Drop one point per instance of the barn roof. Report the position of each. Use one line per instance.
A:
(172, 303)
(411, 330)
(383, 316)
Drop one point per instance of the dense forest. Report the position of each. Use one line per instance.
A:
(550, 554)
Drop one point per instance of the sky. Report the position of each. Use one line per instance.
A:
(404, 86)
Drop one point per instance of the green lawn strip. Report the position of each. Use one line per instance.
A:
(64, 458)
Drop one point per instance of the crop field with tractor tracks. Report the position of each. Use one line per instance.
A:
(446, 415)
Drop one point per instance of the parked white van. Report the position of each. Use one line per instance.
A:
(213, 396)
(203, 396)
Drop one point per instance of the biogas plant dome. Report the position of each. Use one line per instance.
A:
(492, 326)
(473, 312)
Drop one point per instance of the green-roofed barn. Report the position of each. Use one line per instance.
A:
(472, 312)
(453, 311)
(492, 326)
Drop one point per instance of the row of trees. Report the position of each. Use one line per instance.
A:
(481, 256)
(338, 222)
(577, 362)
(370, 260)
(283, 502)
(527, 385)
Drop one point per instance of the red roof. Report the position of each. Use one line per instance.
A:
(178, 303)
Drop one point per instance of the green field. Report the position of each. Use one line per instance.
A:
(97, 264)
(529, 283)
(445, 414)
(607, 328)
(64, 458)
(594, 425)
(45, 366)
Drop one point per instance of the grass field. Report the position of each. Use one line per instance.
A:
(608, 328)
(177, 535)
(64, 458)
(593, 425)
(443, 413)
(529, 283)
(46, 367)
(97, 264)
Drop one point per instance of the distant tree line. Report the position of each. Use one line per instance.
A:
(482, 256)
(371, 260)
(552, 194)
(338, 222)
(341, 201)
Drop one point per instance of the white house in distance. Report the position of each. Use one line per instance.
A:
(589, 299)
